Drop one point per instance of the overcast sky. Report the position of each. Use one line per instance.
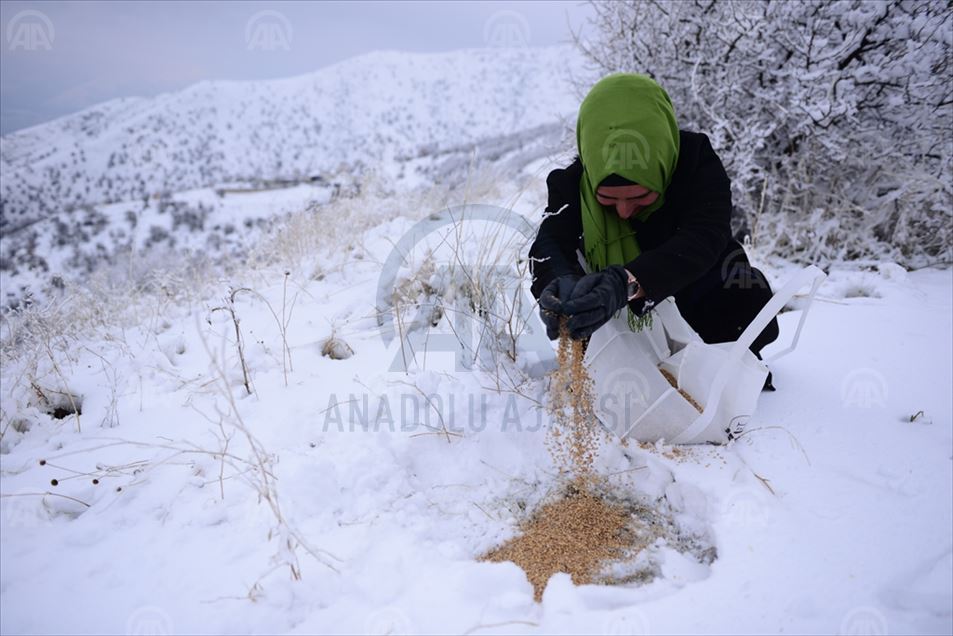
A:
(60, 57)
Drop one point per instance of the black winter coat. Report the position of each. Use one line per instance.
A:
(681, 241)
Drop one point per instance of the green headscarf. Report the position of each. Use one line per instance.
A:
(626, 127)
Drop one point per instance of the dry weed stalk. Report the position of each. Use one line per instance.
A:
(263, 480)
(239, 341)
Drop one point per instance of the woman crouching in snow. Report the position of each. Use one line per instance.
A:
(649, 207)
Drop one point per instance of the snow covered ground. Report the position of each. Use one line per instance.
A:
(350, 496)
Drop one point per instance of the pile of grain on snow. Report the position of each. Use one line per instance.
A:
(593, 537)
(576, 535)
(580, 533)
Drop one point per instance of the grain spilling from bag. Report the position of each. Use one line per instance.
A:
(573, 438)
(580, 533)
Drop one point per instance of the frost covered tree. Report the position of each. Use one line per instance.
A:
(834, 119)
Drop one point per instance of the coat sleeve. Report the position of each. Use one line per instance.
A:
(703, 232)
(553, 253)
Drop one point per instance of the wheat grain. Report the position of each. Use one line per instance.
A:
(573, 438)
(576, 534)
(580, 532)
(671, 380)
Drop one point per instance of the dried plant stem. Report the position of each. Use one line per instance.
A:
(239, 342)
(66, 391)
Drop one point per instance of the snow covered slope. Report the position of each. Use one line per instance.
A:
(253, 448)
(380, 488)
(187, 173)
(381, 109)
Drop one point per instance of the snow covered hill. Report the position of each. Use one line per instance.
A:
(151, 485)
(78, 189)
(324, 430)
(339, 118)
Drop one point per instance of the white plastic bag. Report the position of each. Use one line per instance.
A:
(634, 399)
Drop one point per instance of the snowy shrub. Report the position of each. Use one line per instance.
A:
(833, 119)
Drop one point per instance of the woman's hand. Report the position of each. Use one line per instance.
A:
(551, 302)
(594, 299)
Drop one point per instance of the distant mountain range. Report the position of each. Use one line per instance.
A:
(410, 118)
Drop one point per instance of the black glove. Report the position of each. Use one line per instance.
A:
(551, 299)
(594, 299)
